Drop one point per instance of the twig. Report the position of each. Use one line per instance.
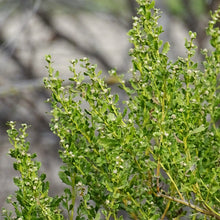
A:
(197, 208)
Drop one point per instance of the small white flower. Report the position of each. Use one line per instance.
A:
(79, 184)
(173, 116)
(71, 154)
(166, 134)
(135, 18)
(73, 61)
(115, 171)
(130, 121)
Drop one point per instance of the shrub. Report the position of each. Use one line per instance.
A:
(152, 159)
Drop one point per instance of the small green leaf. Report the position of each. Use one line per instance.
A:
(57, 74)
(111, 117)
(98, 216)
(166, 48)
(42, 176)
(116, 98)
(151, 5)
(197, 130)
(64, 178)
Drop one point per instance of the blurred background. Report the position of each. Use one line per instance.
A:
(68, 29)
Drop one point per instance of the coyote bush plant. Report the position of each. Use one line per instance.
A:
(154, 158)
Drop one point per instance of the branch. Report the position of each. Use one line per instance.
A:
(197, 208)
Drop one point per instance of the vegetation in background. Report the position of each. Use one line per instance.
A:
(178, 6)
(153, 159)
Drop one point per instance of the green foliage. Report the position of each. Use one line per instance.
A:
(31, 199)
(178, 7)
(154, 158)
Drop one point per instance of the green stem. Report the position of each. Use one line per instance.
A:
(172, 181)
(73, 195)
(188, 156)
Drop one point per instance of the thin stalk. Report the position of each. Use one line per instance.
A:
(136, 204)
(172, 181)
(197, 208)
(158, 175)
(188, 156)
(73, 196)
(166, 209)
